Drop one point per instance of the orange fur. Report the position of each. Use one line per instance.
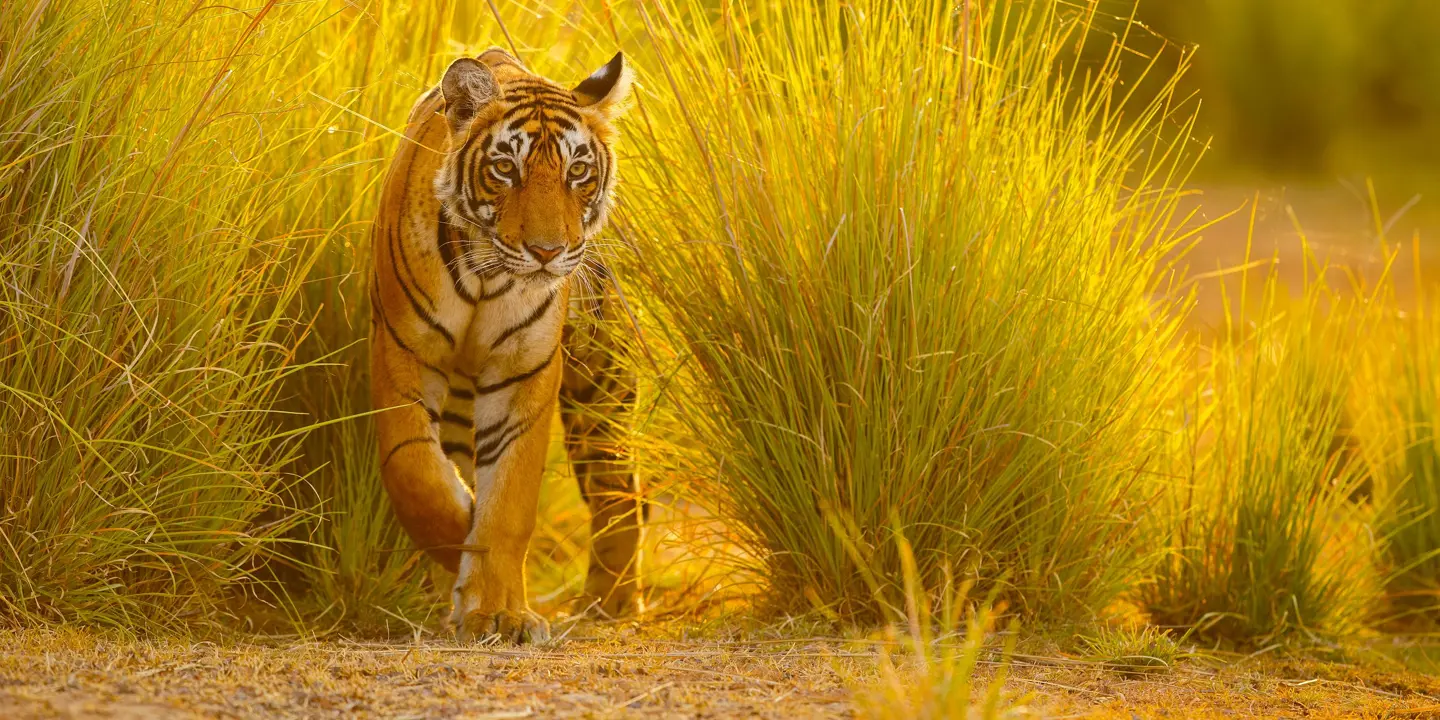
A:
(486, 212)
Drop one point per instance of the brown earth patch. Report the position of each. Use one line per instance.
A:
(601, 671)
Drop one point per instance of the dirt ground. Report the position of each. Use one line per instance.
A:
(603, 671)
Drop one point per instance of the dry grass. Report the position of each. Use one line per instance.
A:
(625, 671)
(598, 671)
(1253, 688)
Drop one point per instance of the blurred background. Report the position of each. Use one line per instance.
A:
(1324, 113)
(1306, 90)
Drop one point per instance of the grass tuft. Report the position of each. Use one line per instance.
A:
(1269, 532)
(1141, 650)
(1398, 390)
(907, 287)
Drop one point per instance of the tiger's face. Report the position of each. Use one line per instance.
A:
(529, 169)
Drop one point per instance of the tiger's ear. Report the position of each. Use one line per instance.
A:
(467, 87)
(607, 89)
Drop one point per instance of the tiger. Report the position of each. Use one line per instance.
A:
(480, 329)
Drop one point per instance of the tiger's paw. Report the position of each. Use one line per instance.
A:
(507, 626)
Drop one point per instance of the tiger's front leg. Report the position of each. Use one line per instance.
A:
(511, 438)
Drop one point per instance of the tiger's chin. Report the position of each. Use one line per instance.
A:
(542, 275)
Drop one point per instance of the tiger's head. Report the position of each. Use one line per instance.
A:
(529, 169)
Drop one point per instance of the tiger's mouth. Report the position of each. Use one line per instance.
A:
(522, 263)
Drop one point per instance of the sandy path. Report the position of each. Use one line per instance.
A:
(613, 671)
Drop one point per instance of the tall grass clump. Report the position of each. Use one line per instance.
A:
(906, 258)
(1267, 520)
(143, 336)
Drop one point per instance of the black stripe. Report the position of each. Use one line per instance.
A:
(541, 96)
(499, 443)
(443, 237)
(507, 382)
(465, 166)
(484, 432)
(462, 393)
(431, 321)
(484, 182)
(536, 107)
(487, 461)
(492, 454)
(374, 293)
(564, 123)
(416, 399)
(454, 448)
(470, 261)
(462, 162)
(578, 249)
(508, 251)
(533, 82)
(405, 258)
(607, 163)
(498, 291)
(536, 87)
(384, 320)
(403, 444)
(455, 418)
(534, 316)
(420, 310)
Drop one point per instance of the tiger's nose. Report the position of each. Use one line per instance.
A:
(545, 253)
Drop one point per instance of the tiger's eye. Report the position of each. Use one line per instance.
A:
(504, 167)
(579, 170)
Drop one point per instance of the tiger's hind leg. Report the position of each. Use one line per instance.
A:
(596, 400)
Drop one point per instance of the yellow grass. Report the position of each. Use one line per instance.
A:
(942, 305)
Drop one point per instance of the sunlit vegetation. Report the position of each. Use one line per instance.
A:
(906, 290)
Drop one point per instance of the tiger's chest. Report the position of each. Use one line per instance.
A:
(515, 331)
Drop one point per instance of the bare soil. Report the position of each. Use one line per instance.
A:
(602, 671)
